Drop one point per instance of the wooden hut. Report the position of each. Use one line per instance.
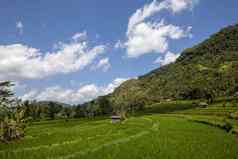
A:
(116, 118)
(236, 94)
(202, 105)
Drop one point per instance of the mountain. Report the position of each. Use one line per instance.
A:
(47, 103)
(207, 69)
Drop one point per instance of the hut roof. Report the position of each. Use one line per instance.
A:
(116, 117)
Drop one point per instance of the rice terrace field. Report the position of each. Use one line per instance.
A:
(119, 79)
(147, 137)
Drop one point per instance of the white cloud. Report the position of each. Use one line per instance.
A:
(18, 61)
(153, 37)
(103, 64)
(80, 36)
(155, 6)
(179, 5)
(141, 14)
(19, 26)
(119, 44)
(145, 36)
(81, 95)
(168, 58)
(30, 95)
(112, 86)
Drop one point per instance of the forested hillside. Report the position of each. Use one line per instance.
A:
(209, 69)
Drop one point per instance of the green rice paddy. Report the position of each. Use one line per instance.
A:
(143, 137)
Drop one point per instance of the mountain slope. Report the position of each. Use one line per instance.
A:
(209, 68)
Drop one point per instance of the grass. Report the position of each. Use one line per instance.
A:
(168, 107)
(220, 107)
(148, 137)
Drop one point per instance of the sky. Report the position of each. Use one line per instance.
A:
(73, 51)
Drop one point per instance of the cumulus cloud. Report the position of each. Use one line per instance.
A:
(141, 14)
(103, 64)
(168, 58)
(113, 85)
(155, 6)
(153, 37)
(145, 36)
(19, 26)
(18, 61)
(81, 95)
(179, 5)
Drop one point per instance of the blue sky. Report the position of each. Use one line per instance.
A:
(62, 35)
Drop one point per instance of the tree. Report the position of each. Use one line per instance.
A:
(26, 105)
(54, 108)
(11, 114)
(67, 113)
(105, 105)
(79, 111)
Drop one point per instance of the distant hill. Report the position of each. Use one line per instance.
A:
(209, 68)
(47, 103)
